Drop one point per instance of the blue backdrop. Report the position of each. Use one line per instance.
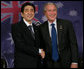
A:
(10, 14)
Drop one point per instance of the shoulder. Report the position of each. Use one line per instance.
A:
(43, 24)
(16, 26)
(64, 21)
(35, 26)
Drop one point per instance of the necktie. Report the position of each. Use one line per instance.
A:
(55, 55)
(32, 33)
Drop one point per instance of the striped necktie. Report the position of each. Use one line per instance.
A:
(32, 33)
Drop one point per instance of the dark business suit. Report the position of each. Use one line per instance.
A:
(67, 44)
(26, 47)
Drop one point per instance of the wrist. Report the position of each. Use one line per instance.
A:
(40, 51)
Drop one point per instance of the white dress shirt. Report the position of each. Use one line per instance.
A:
(28, 24)
(50, 27)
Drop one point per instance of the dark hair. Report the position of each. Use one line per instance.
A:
(25, 4)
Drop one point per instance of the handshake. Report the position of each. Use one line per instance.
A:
(42, 53)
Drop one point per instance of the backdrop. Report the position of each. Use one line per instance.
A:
(10, 14)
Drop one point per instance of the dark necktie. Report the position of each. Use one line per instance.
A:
(55, 55)
(32, 33)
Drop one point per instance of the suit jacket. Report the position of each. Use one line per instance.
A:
(26, 47)
(67, 44)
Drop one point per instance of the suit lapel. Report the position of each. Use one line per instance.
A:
(26, 30)
(47, 35)
(24, 26)
(60, 33)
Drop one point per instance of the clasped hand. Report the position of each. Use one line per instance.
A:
(42, 54)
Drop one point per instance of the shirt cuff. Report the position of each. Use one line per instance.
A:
(74, 63)
(39, 50)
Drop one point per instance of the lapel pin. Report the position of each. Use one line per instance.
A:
(60, 26)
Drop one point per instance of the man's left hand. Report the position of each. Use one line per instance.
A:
(74, 65)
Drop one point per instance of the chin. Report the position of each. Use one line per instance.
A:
(52, 19)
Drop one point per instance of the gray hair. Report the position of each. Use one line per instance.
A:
(49, 3)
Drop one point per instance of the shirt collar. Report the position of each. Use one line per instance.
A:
(53, 22)
(26, 22)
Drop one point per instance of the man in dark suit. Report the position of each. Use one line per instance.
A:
(65, 54)
(26, 38)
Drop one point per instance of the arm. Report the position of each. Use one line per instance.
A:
(20, 43)
(74, 47)
(42, 48)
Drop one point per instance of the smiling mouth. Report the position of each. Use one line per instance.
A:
(52, 15)
(29, 16)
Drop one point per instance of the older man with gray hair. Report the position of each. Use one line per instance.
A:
(59, 39)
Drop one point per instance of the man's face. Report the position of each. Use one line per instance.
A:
(28, 13)
(51, 12)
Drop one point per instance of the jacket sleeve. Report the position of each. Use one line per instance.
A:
(73, 42)
(20, 44)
